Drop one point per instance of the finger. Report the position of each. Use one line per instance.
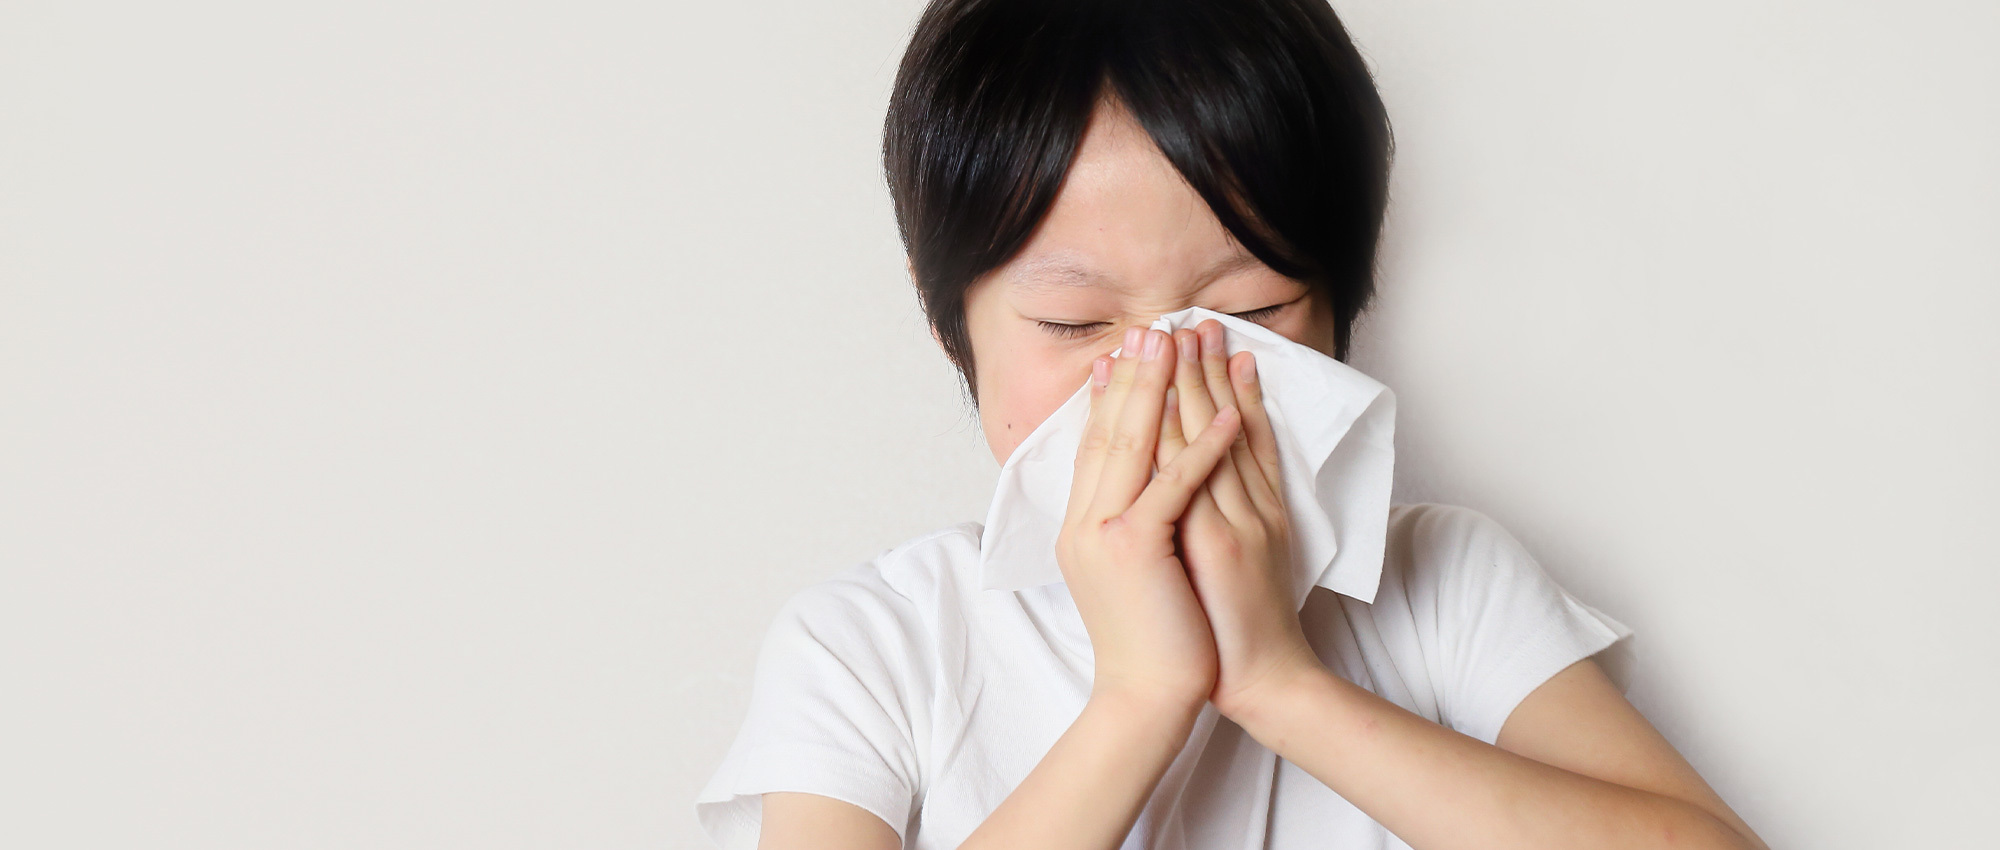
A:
(1188, 378)
(1090, 450)
(1172, 440)
(1167, 496)
(1128, 451)
(1196, 407)
(1228, 486)
(1100, 380)
(1100, 377)
(1192, 385)
(1264, 483)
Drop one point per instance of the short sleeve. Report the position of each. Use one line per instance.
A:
(838, 701)
(1503, 625)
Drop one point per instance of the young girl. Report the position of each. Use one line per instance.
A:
(1064, 173)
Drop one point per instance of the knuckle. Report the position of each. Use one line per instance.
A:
(1256, 535)
(1125, 541)
(1116, 532)
(1231, 548)
(1224, 547)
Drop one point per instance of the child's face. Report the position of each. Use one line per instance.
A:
(1126, 241)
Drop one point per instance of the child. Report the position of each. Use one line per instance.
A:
(1063, 173)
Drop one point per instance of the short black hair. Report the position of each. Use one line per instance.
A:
(1265, 107)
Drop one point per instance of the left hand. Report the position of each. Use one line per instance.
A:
(1235, 535)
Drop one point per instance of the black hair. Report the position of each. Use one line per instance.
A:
(1264, 106)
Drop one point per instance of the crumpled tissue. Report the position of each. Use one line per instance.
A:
(1335, 431)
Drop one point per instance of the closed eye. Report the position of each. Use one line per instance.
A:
(1072, 331)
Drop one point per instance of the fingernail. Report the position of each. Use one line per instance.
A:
(1100, 371)
(1189, 346)
(1131, 346)
(1250, 369)
(1154, 342)
(1212, 343)
(1173, 399)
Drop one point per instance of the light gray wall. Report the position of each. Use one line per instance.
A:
(411, 414)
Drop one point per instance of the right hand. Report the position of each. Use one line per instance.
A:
(1116, 549)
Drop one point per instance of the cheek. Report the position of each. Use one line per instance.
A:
(1026, 387)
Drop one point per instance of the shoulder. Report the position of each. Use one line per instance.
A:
(1456, 562)
(890, 602)
(1436, 546)
(1435, 528)
(912, 576)
(924, 568)
(856, 653)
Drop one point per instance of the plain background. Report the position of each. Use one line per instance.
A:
(412, 413)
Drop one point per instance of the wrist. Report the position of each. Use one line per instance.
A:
(1150, 708)
(1277, 694)
(1271, 681)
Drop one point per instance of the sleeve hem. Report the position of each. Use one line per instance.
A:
(732, 814)
(1581, 633)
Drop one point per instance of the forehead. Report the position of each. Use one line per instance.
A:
(1067, 271)
(1124, 215)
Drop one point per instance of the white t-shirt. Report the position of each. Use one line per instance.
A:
(900, 686)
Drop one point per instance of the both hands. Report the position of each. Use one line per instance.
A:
(1182, 578)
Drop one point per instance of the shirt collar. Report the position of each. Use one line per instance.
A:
(1335, 428)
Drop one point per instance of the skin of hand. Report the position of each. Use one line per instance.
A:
(1116, 549)
(1235, 536)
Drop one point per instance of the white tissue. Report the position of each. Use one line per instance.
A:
(1335, 431)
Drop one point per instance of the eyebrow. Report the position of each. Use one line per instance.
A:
(1057, 272)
